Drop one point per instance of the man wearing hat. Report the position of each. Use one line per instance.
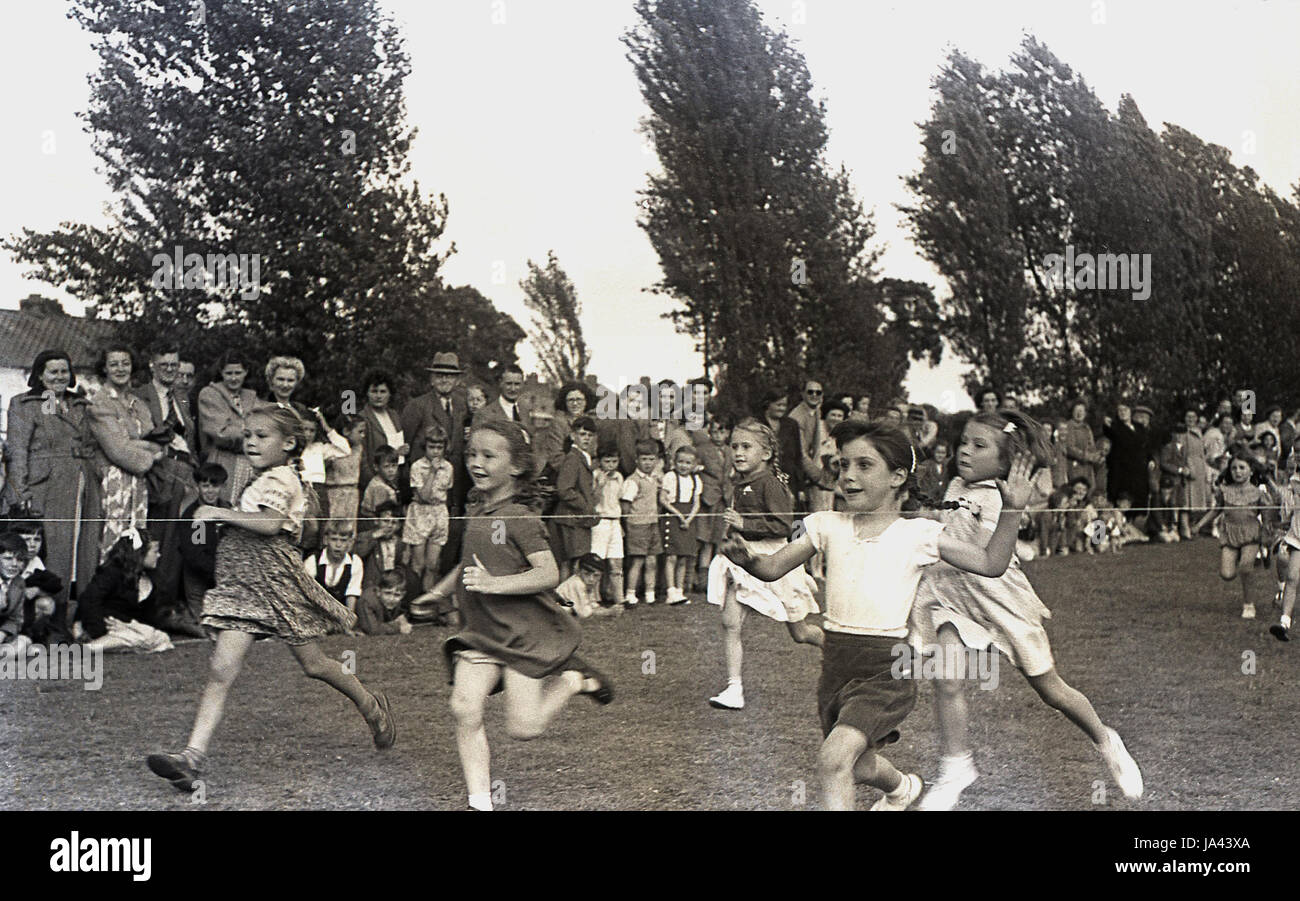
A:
(447, 406)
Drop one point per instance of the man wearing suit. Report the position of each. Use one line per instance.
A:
(508, 406)
(167, 405)
(446, 405)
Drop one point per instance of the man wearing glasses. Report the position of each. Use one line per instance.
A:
(807, 414)
(168, 406)
(163, 398)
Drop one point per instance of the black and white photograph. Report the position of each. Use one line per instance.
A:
(651, 406)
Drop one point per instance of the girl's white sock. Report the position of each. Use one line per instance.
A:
(481, 801)
(962, 761)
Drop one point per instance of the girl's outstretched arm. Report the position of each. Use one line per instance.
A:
(769, 567)
(994, 558)
(543, 576)
(264, 522)
(446, 586)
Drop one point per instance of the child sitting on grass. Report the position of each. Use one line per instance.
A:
(13, 591)
(581, 591)
(110, 609)
(41, 625)
(379, 612)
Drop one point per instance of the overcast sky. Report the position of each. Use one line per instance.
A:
(528, 116)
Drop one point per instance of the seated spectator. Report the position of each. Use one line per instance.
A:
(13, 592)
(1130, 534)
(380, 549)
(1074, 520)
(379, 611)
(109, 610)
(42, 588)
(336, 568)
(199, 548)
(581, 591)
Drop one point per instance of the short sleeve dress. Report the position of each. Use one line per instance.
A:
(262, 587)
(790, 599)
(1242, 505)
(1002, 611)
(530, 633)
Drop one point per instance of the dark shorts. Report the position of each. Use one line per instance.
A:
(643, 541)
(858, 688)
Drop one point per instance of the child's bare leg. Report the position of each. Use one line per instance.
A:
(707, 550)
(845, 760)
(950, 697)
(1069, 701)
(531, 704)
(432, 553)
(670, 573)
(1245, 565)
(1292, 578)
(614, 572)
(316, 665)
(634, 573)
(733, 617)
(474, 681)
(223, 667)
(417, 559)
(651, 574)
(805, 632)
(1228, 563)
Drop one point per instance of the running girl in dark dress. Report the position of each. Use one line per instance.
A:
(516, 636)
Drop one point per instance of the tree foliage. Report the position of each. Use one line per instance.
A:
(1025, 163)
(275, 129)
(762, 244)
(556, 332)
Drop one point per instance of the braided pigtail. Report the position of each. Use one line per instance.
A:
(767, 440)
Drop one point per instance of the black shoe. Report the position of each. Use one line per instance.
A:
(604, 691)
(382, 726)
(176, 769)
(1280, 632)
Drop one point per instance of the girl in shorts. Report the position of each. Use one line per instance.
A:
(874, 559)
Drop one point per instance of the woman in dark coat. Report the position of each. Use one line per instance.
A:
(1129, 453)
(51, 467)
(772, 409)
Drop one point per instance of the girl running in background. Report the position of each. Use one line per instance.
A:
(263, 591)
(1003, 612)
(874, 558)
(761, 512)
(516, 636)
(1288, 555)
(1240, 502)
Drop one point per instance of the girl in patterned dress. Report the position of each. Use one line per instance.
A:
(516, 637)
(1002, 613)
(761, 512)
(263, 591)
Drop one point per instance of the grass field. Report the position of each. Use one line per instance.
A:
(1151, 636)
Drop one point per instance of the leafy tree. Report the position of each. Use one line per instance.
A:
(557, 333)
(260, 128)
(762, 245)
(1025, 163)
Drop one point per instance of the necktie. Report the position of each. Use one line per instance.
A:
(446, 406)
(514, 412)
